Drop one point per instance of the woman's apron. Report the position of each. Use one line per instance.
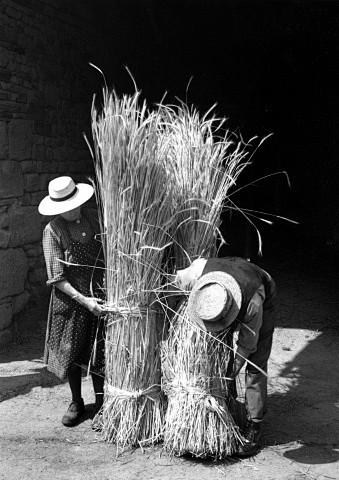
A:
(74, 335)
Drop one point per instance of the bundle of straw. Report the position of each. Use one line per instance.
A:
(198, 420)
(205, 165)
(135, 210)
(204, 162)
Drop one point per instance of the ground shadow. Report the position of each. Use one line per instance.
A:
(21, 362)
(303, 415)
(13, 385)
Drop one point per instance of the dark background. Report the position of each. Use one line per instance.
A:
(271, 68)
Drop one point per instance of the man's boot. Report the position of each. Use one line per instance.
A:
(251, 434)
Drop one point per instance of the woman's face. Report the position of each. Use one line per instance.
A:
(72, 215)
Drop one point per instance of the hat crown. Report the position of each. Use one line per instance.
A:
(214, 301)
(61, 187)
(211, 301)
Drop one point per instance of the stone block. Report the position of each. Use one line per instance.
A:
(8, 201)
(32, 252)
(3, 141)
(11, 179)
(32, 182)
(6, 337)
(39, 275)
(27, 166)
(8, 34)
(36, 197)
(13, 272)
(5, 56)
(24, 201)
(28, 246)
(50, 166)
(4, 218)
(24, 225)
(3, 96)
(19, 302)
(80, 166)
(44, 181)
(43, 128)
(5, 75)
(39, 155)
(20, 139)
(33, 263)
(6, 314)
(58, 154)
(62, 168)
(4, 238)
(52, 95)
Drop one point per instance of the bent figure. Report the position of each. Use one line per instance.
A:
(229, 289)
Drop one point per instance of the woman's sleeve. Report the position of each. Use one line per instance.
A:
(53, 252)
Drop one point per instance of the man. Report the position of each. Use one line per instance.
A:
(225, 290)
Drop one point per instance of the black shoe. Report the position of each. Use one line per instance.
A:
(251, 434)
(73, 414)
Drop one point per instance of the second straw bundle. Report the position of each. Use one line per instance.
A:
(205, 165)
(198, 420)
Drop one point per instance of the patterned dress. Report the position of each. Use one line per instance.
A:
(74, 335)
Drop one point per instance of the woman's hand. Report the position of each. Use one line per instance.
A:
(93, 305)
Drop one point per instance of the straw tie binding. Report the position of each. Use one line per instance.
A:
(118, 392)
(134, 311)
(194, 390)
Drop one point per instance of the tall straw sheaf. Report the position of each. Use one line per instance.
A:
(135, 216)
(205, 163)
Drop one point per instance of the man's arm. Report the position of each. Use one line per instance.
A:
(240, 358)
(249, 331)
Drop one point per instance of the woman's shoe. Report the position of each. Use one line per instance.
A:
(73, 414)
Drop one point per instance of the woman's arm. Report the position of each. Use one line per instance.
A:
(56, 271)
(90, 303)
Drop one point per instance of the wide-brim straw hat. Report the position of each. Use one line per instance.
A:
(64, 195)
(215, 301)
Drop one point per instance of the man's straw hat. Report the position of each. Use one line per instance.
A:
(215, 301)
(64, 195)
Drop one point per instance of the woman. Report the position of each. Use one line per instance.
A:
(74, 261)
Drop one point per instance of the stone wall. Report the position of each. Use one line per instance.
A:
(45, 98)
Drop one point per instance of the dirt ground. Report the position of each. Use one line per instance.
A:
(300, 432)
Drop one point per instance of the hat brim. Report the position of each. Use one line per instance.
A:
(227, 319)
(48, 206)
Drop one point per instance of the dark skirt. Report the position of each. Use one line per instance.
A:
(74, 337)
